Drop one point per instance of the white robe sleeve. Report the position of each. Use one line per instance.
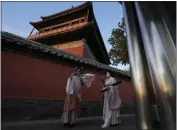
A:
(112, 82)
(88, 79)
(69, 86)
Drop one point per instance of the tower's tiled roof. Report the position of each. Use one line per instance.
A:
(71, 10)
(59, 14)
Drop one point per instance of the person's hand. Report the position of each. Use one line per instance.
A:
(107, 85)
(79, 98)
(104, 89)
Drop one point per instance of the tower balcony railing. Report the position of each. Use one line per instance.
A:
(59, 28)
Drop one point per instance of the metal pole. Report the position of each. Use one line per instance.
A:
(158, 61)
(167, 30)
(138, 63)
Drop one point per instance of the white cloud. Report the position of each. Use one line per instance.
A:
(121, 67)
(9, 29)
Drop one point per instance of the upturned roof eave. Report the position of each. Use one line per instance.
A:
(89, 24)
(57, 15)
(80, 7)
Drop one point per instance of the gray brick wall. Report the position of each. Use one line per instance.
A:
(35, 109)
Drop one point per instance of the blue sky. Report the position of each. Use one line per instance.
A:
(17, 15)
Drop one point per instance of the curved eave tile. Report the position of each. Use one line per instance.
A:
(98, 66)
(20, 43)
(101, 67)
(65, 56)
(90, 63)
(85, 62)
(71, 57)
(81, 61)
(59, 54)
(53, 52)
(76, 59)
(45, 50)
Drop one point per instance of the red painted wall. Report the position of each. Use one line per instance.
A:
(82, 51)
(27, 77)
(79, 51)
(88, 54)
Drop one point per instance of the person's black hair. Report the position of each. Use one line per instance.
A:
(79, 68)
(111, 73)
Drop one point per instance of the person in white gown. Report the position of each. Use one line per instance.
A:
(73, 99)
(112, 101)
(73, 95)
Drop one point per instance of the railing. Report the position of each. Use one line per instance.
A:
(60, 28)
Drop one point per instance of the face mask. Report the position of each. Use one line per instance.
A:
(108, 75)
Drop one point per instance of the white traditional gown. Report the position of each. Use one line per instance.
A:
(73, 87)
(112, 103)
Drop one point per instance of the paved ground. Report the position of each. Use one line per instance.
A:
(93, 123)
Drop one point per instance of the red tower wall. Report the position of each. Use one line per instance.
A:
(88, 53)
(78, 51)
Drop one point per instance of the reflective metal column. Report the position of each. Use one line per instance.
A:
(167, 31)
(159, 62)
(138, 64)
